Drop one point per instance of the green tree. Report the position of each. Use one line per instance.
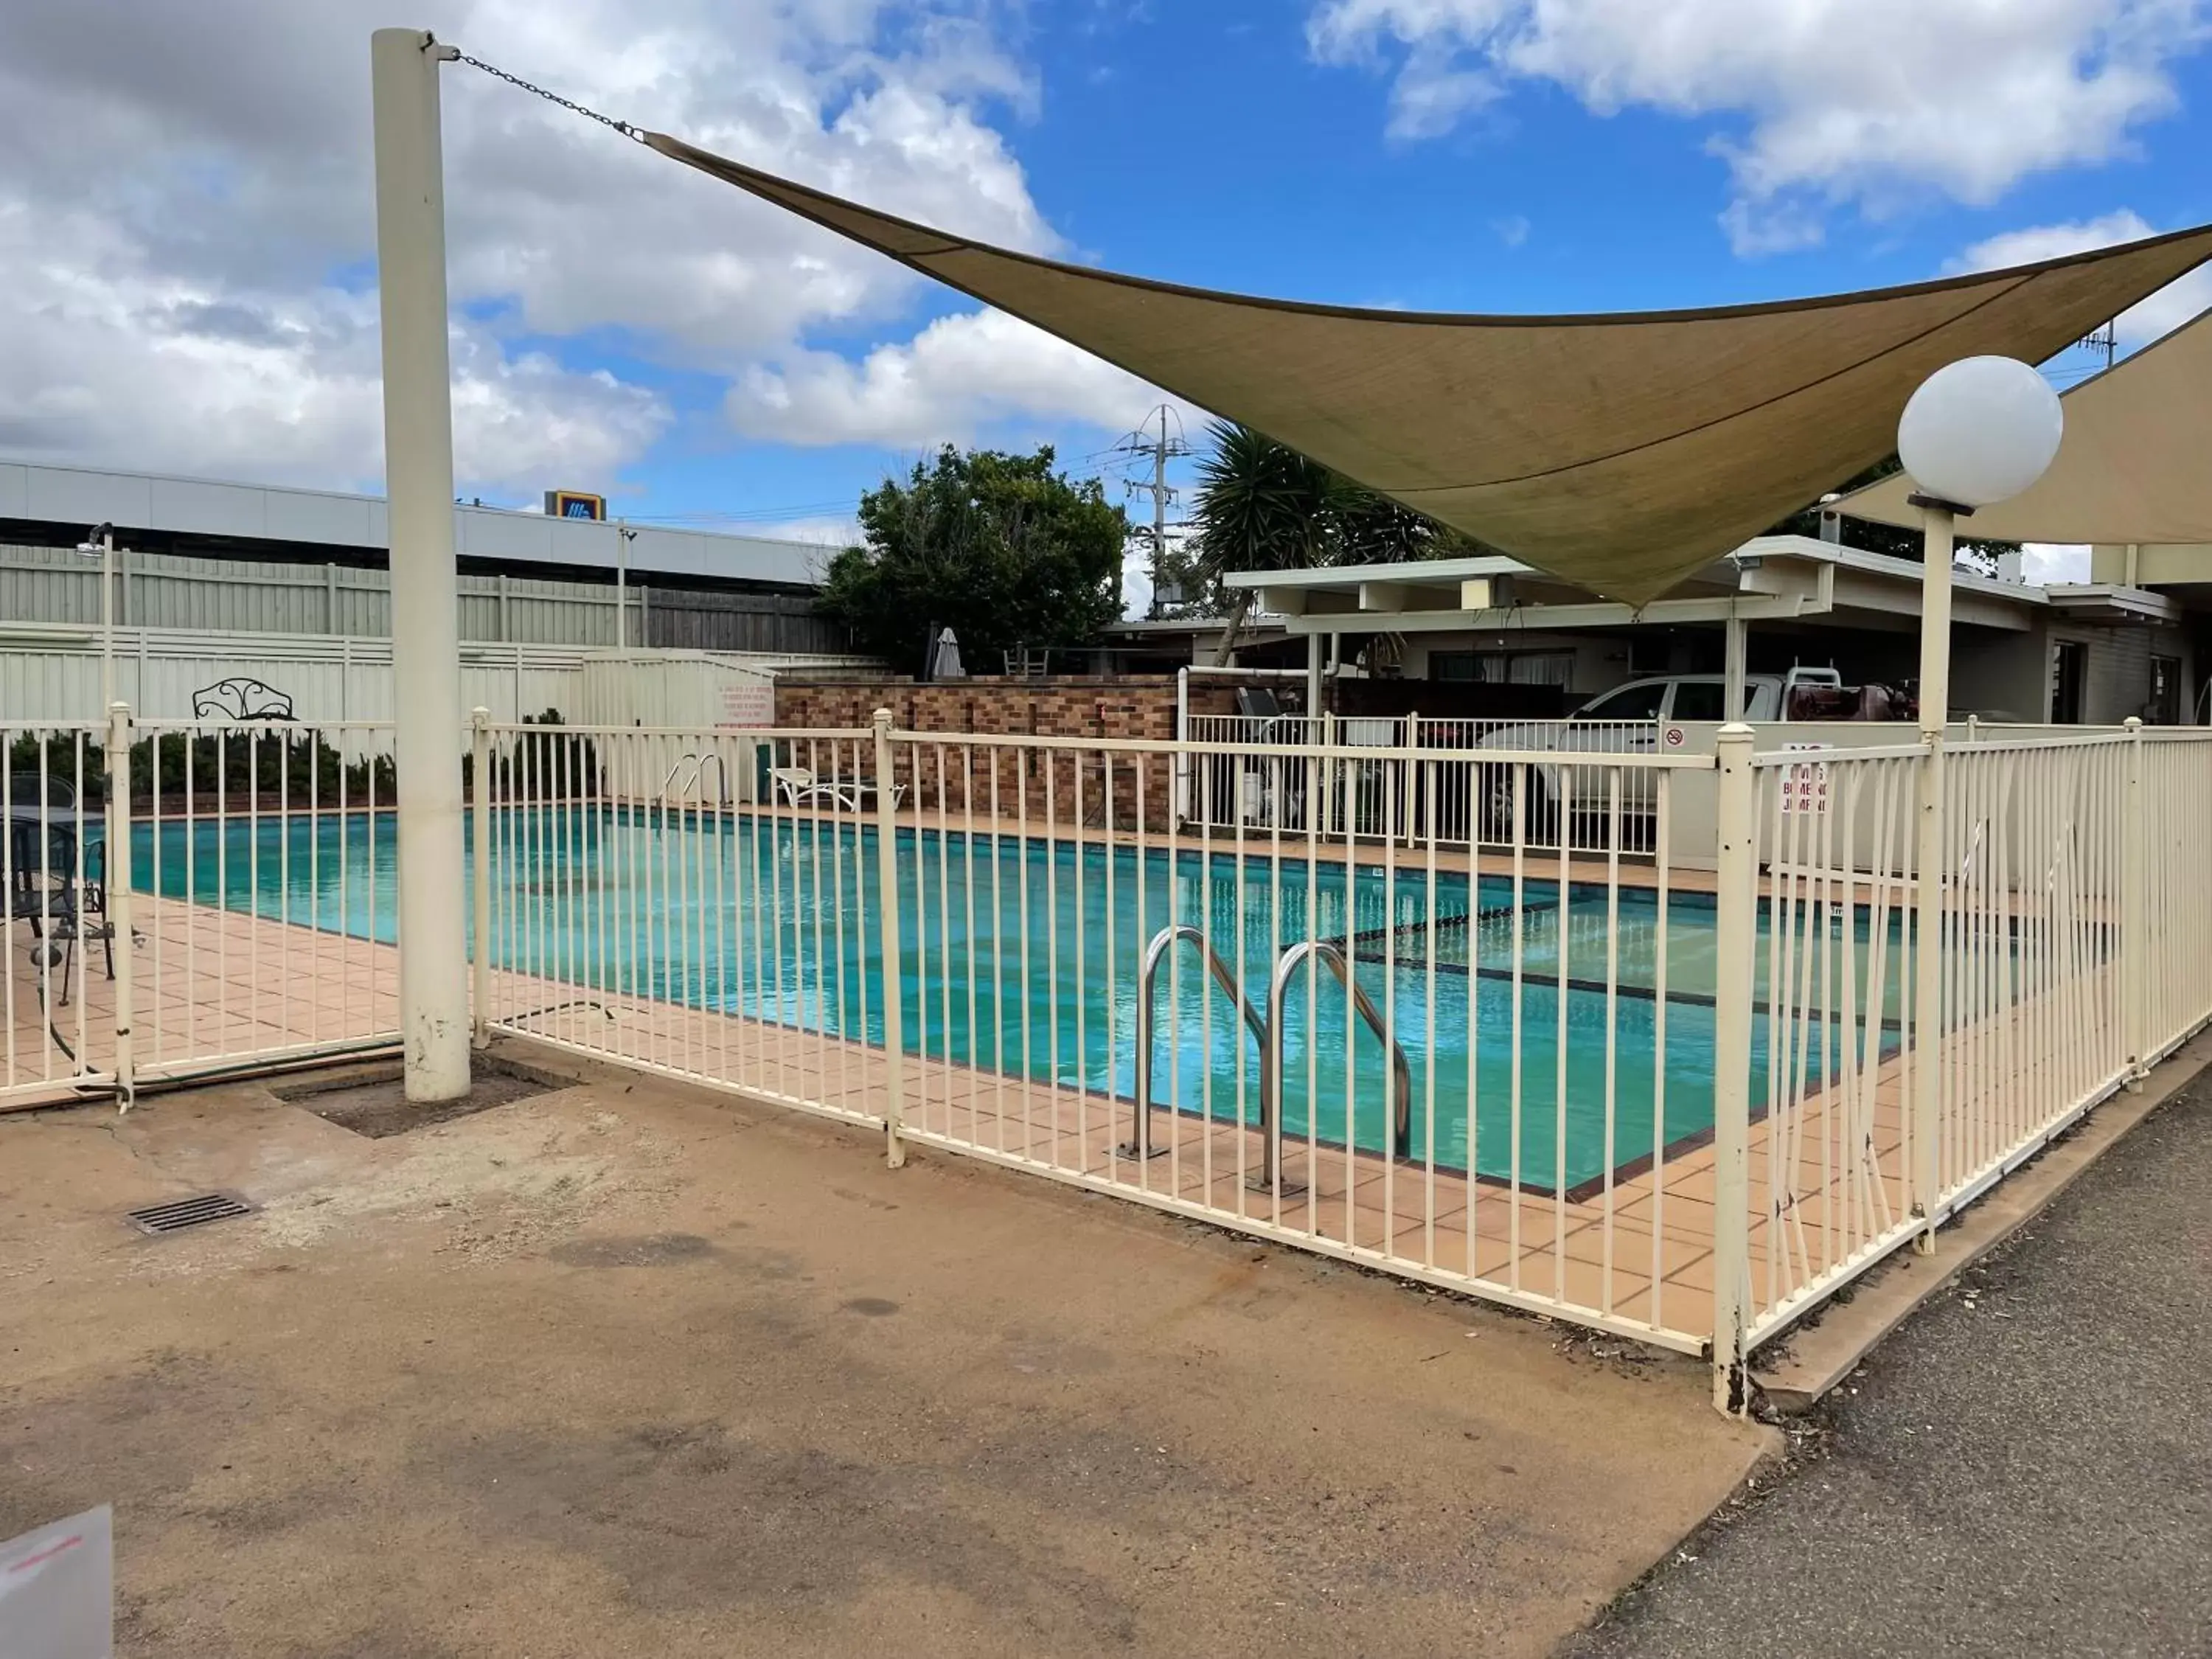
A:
(1263, 505)
(999, 548)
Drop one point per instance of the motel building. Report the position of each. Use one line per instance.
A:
(1491, 639)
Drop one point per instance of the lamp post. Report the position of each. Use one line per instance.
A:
(99, 544)
(1978, 432)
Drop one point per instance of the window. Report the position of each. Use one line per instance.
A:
(1631, 703)
(1542, 668)
(1503, 667)
(1700, 700)
(2069, 672)
(2164, 708)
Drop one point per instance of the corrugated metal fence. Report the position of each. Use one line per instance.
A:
(45, 585)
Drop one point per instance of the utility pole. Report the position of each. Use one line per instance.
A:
(1161, 448)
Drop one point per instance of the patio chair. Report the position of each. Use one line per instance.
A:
(42, 874)
(801, 787)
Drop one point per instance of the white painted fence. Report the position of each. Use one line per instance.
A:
(1685, 1104)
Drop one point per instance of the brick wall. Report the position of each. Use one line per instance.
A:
(1071, 785)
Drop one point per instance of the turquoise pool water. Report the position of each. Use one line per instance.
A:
(1025, 957)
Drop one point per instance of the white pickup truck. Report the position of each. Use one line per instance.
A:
(1625, 721)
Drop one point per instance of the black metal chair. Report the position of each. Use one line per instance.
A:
(47, 885)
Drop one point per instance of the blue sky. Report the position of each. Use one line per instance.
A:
(186, 246)
(1208, 145)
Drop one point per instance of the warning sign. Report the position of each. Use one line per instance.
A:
(750, 704)
(1675, 737)
(1805, 783)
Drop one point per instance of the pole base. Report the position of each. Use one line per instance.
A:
(1253, 1183)
(1130, 1149)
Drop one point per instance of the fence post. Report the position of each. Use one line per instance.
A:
(1737, 930)
(117, 877)
(1926, 1107)
(888, 923)
(480, 874)
(1331, 807)
(1407, 782)
(2135, 911)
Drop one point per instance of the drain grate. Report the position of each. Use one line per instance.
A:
(180, 1214)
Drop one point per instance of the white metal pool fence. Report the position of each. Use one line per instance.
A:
(1684, 1100)
(218, 909)
(1257, 776)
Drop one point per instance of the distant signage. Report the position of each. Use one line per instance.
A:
(749, 706)
(1805, 783)
(574, 504)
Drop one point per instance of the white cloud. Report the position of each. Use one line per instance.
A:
(960, 375)
(1512, 230)
(186, 235)
(832, 534)
(108, 361)
(1824, 102)
(2161, 315)
(2044, 564)
(1136, 580)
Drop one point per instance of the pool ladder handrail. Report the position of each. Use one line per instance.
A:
(1401, 1074)
(696, 760)
(1139, 1143)
(1267, 1029)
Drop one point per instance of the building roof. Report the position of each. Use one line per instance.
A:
(1773, 578)
(152, 502)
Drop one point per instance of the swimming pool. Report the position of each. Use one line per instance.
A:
(1023, 955)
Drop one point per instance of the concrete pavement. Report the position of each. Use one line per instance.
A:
(2025, 1469)
(628, 1369)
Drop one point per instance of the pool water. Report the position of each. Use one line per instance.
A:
(1025, 957)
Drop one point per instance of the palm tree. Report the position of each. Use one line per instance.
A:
(1260, 507)
(1263, 505)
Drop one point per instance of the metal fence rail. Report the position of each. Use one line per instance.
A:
(1682, 1101)
(186, 899)
(1469, 791)
(2064, 931)
(947, 936)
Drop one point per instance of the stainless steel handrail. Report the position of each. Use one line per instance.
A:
(1139, 1143)
(697, 761)
(1271, 1115)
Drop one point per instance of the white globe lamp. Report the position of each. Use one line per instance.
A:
(1978, 432)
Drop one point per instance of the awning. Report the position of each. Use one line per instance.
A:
(2136, 465)
(1619, 453)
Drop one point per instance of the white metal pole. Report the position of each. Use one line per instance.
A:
(1735, 936)
(1182, 735)
(418, 465)
(887, 923)
(1939, 524)
(622, 586)
(107, 619)
(1739, 650)
(117, 874)
(2135, 911)
(480, 815)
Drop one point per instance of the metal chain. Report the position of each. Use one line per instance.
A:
(570, 104)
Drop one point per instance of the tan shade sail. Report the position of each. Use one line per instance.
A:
(2136, 465)
(1621, 452)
